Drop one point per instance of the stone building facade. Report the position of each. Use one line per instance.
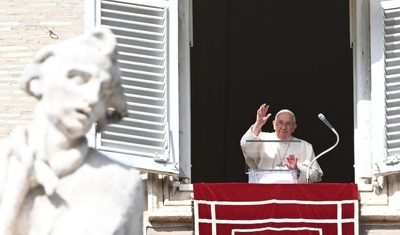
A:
(26, 26)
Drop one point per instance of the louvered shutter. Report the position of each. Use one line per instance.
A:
(146, 34)
(391, 94)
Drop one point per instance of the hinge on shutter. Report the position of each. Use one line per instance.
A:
(389, 166)
(161, 158)
(392, 160)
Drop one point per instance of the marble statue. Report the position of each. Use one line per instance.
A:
(51, 181)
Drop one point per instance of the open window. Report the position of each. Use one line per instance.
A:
(147, 37)
(385, 85)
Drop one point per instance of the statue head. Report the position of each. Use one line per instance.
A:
(77, 83)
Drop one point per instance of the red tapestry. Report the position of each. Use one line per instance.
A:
(259, 209)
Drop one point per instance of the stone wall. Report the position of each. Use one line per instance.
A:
(26, 26)
(169, 206)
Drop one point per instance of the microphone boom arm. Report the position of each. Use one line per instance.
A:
(324, 152)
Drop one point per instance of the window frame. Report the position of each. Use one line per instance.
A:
(178, 90)
(379, 139)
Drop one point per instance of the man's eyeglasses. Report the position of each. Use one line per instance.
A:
(287, 124)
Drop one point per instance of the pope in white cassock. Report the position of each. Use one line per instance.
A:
(279, 149)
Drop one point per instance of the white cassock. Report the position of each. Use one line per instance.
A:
(271, 155)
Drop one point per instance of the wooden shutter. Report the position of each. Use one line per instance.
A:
(391, 94)
(146, 34)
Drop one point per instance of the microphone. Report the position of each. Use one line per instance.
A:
(323, 119)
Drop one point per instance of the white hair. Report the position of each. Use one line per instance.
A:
(286, 111)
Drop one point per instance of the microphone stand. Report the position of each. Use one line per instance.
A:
(309, 165)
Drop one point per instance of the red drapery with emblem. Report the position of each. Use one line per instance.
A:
(258, 209)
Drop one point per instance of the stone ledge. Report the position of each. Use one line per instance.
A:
(176, 230)
(379, 213)
(181, 203)
(382, 228)
(170, 216)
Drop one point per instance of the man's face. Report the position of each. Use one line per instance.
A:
(284, 126)
(75, 91)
